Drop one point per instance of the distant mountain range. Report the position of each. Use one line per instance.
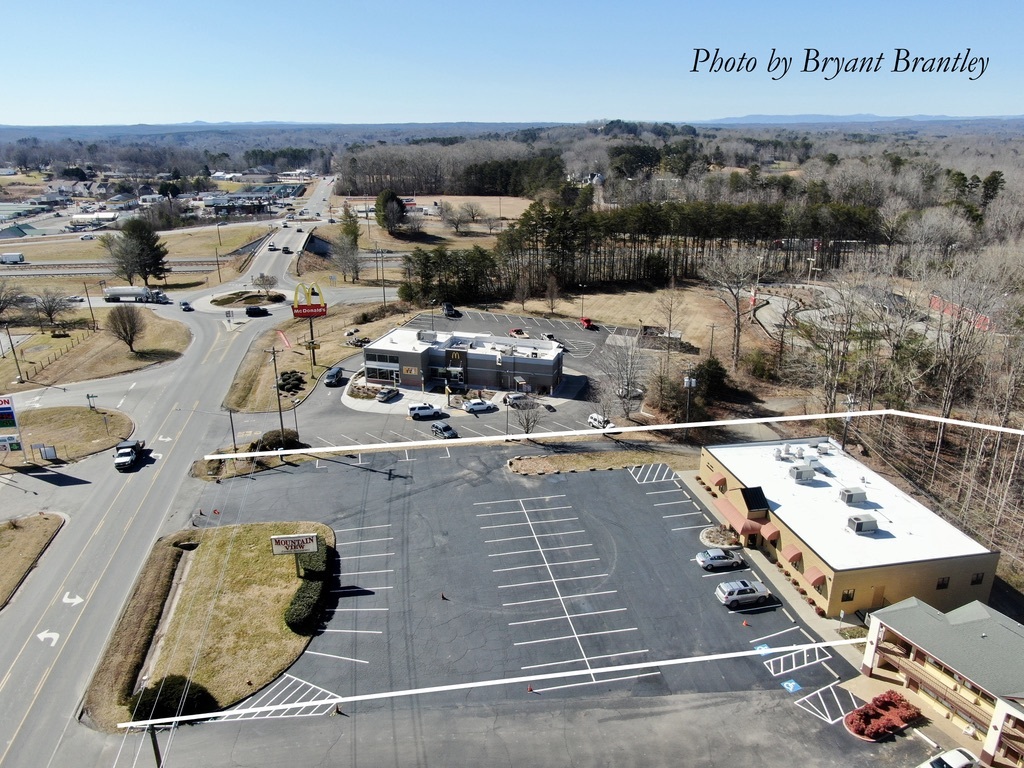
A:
(841, 119)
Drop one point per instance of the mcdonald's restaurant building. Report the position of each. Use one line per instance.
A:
(424, 359)
(849, 539)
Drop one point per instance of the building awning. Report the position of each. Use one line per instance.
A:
(717, 479)
(814, 576)
(742, 525)
(770, 531)
(792, 553)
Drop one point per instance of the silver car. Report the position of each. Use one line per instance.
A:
(737, 593)
(712, 559)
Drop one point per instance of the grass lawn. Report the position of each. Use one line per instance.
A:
(76, 432)
(225, 629)
(22, 542)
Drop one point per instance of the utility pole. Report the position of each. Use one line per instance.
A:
(850, 402)
(216, 255)
(88, 298)
(277, 390)
(711, 346)
(14, 353)
(231, 420)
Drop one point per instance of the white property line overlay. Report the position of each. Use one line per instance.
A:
(528, 679)
(405, 444)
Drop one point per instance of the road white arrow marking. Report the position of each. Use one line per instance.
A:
(53, 637)
(162, 439)
(71, 600)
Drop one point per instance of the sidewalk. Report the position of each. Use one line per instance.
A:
(935, 730)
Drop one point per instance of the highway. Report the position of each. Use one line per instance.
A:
(58, 624)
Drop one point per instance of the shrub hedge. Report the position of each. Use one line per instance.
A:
(303, 614)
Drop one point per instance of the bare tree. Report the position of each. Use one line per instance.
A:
(528, 416)
(126, 323)
(623, 369)
(453, 217)
(125, 256)
(9, 295)
(472, 211)
(264, 282)
(52, 305)
(346, 256)
(521, 292)
(735, 271)
(552, 293)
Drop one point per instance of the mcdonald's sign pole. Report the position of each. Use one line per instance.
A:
(304, 306)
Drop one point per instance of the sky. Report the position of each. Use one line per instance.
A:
(110, 62)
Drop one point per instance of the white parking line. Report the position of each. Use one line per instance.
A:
(680, 514)
(518, 501)
(552, 581)
(531, 523)
(338, 610)
(333, 656)
(595, 682)
(670, 503)
(357, 557)
(762, 638)
(592, 658)
(528, 551)
(366, 573)
(563, 597)
(668, 490)
(563, 618)
(362, 541)
(576, 636)
(355, 631)
(361, 528)
(350, 590)
(541, 565)
(689, 528)
(538, 536)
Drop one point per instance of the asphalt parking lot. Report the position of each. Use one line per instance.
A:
(454, 573)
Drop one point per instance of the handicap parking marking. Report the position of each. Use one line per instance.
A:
(790, 662)
(792, 686)
(831, 703)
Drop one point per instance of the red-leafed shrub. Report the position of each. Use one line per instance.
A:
(887, 713)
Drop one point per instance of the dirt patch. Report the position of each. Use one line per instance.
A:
(22, 542)
(584, 460)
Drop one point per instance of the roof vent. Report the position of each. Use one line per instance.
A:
(800, 452)
(778, 454)
(862, 524)
(786, 449)
(823, 449)
(802, 473)
(853, 495)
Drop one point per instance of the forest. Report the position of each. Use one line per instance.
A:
(904, 235)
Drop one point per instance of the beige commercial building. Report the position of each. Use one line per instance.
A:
(853, 541)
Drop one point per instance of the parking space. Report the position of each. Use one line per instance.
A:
(456, 571)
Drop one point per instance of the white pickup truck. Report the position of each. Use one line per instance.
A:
(127, 453)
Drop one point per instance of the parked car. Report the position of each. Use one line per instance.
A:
(597, 421)
(87, 237)
(476, 405)
(743, 592)
(587, 323)
(444, 430)
(351, 331)
(516, 400)
(518, 333)
(186, 307)
(423, 411)
(387, 393)
(256, 311)
(711, 559)
(335, 377)
(954, 758)
(635, 392)
(362, 341)
(449, 309)
(549, 337)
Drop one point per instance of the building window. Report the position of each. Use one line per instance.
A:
(848, 595)
(977, 578)
(943, 583)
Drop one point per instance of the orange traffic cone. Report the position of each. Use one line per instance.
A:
(745, 623)
(529, 688)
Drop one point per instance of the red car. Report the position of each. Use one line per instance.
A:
(587, 323)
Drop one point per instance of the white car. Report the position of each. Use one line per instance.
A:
(476, 405)
(75, 298)
(87, 237)
(955, 758)
(597, 421)
(423, 411)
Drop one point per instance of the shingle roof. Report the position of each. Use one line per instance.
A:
(976, 641)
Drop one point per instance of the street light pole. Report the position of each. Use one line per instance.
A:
(88, 298)
(850, 402)
(711, 346)
(688, 384)
(583, 290)
(383, 294)
(810, 266)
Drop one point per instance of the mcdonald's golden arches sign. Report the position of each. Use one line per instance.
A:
(307, 308)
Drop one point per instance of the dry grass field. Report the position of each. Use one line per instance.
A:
(22, 542)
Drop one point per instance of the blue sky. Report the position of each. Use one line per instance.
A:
(113, 62)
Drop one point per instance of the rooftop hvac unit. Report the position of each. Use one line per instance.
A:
(802, 473)
(823, 449)
(853, 495)
(862, 524)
